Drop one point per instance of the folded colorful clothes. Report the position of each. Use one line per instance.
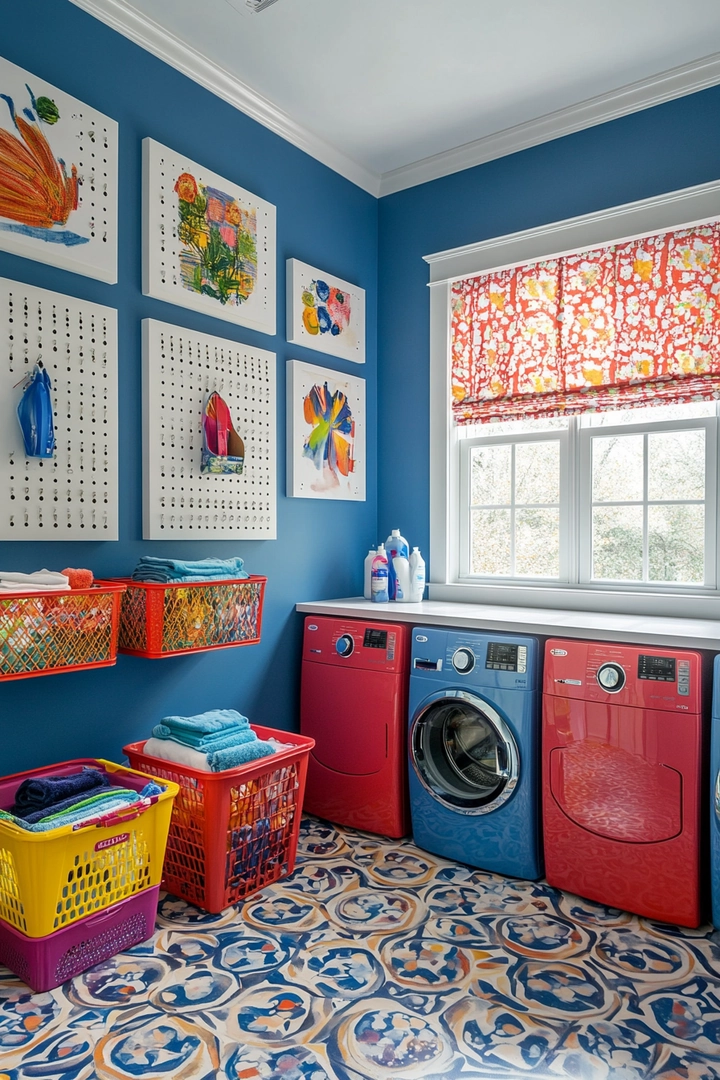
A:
(35, 793)
(86, 810)
(163, 571)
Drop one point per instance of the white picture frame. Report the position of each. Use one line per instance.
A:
(190, 217)
(333, 465)
(64, 210)
(324, 313)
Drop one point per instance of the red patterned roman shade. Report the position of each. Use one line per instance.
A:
(618, 327)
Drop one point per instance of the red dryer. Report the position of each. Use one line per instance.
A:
(353, 703)
(622, 756)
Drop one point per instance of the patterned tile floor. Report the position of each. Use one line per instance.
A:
(375, 960)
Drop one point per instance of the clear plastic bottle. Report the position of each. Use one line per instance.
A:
(367, 574)
(379, 577)
(417, 577)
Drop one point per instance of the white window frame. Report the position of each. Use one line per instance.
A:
(679, 209)
(465, 449)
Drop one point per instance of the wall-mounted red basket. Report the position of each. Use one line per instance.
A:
(47, 632)
(158, 620)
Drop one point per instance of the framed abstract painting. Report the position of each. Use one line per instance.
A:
(208, 244)
(58, 177)
(325, 313)
(326, 433)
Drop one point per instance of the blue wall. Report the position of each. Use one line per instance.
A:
(323, 220)
(661, 149)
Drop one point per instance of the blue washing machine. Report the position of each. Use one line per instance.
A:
(474, 747)
(715, 797)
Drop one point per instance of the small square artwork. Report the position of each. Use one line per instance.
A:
(58, 177)
(326, 433)
(208, 244)
(325, 313)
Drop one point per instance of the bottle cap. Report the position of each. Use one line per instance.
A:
(395, 532)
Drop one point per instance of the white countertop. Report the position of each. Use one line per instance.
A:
(632, 629)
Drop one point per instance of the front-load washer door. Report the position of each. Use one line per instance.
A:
(463, 752)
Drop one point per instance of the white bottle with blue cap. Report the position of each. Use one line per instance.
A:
(396, 547)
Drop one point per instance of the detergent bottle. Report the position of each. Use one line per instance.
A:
(396, 545)
(367, 574)
(379, 576)
(401, 566)
(417, 577)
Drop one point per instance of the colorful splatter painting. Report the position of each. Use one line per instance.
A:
(58, 177)
(326, 433)
(325, 313)
(207, 243)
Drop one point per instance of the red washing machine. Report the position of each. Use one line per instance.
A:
(353, 703)
(622, 755)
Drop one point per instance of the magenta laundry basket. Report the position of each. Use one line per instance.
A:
(46, 962)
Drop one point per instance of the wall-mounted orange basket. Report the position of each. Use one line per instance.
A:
(47, 632)
(159, 620)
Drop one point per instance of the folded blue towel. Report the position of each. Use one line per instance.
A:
(205, 730)
(208, 722)
(205, 743)
(150, 568)
(42, 791)
(232, 756)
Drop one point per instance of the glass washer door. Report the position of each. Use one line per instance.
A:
(464, 753)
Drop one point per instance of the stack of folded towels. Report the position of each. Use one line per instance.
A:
(38, 581)
(50, 802)
(211, 742)
(167, 571)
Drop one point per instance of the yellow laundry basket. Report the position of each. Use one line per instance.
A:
(49, 880)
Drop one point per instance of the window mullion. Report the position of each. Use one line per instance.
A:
(512, 512)
(645, 536)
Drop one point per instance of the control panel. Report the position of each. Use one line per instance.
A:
(355, 644)
(502, 656)
(623, 675)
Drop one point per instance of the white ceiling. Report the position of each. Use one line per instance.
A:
(389, 83)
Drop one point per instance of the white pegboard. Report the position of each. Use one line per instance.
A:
(72, 496)
(180, 369)
(177, 263)
(84, 145)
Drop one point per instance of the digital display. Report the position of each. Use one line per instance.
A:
(501, 656)
(375, 639)
(656, 668)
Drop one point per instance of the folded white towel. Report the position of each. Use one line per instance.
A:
(13, 586)
(170, 750)
(39, 581)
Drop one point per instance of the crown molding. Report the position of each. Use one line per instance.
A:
(675, 83)
(145, 32)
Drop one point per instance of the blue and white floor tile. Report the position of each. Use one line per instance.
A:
(377, 961)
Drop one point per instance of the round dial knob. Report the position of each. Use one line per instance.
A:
(344, 645)
(611, 677)
(463, 661)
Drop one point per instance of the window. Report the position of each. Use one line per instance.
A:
(601, 500)
(612, 511)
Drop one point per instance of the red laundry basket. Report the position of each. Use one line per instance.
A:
(236, 831)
